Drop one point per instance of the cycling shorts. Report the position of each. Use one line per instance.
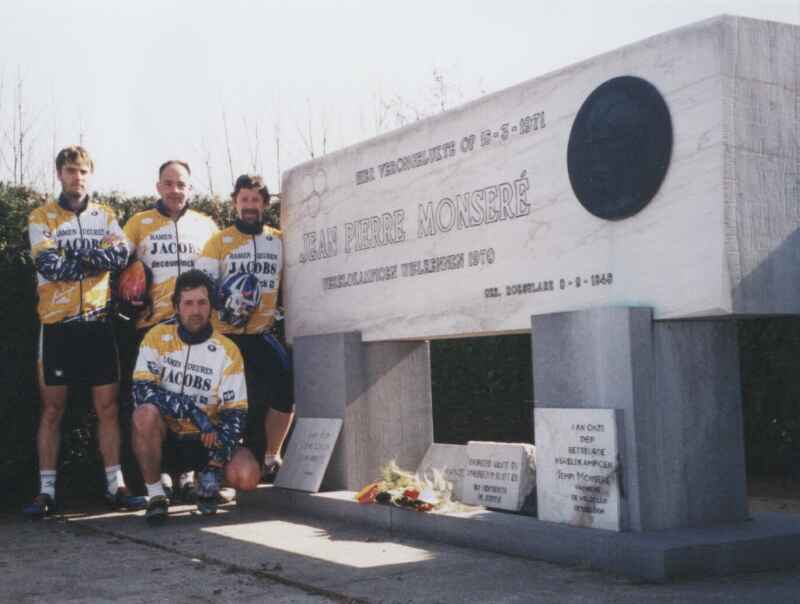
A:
(268, 373)
(78, 353)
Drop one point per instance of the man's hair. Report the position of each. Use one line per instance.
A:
(74, 154)
(191, 280)
(251, 181)
(178, 162)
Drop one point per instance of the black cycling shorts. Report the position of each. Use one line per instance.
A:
(183, 454)
(78, 353)
(268, 373)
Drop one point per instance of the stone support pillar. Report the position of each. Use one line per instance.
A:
(678, 385)
(382, 391)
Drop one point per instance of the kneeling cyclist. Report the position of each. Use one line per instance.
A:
(191, 402)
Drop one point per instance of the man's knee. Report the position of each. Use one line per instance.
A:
(53, 409)
(242, 472)
(105, 401)
(147, 419)
(107, 411)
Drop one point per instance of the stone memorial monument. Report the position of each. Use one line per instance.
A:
(661, 175)
(448, 461)
(577, 478)
(498, 475)
(308, 453)
(623, 210)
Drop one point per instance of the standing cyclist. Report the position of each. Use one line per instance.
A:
(75, 245)
(246, 260)
(165, 242)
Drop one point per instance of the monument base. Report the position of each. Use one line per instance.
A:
(767, 541)
(382, 393)
(677, 387)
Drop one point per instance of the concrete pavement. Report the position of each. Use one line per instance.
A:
(56, 561)
(265, 556)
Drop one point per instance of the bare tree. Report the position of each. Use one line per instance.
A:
(276, 127)
(228, 145)
(308, 136)
(207, 164)
(19, 136)
(381, 109)
(324, 127)
(253, 145)
(53, 141)
(4, 159)
(440, 88)
(81, 127)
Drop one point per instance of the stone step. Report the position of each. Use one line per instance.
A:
(768, 541)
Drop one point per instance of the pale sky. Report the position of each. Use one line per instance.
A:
(144, 81)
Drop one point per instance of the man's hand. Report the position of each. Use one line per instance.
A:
(110, 255)
(209, 439)
(109, 240)
(132, 284)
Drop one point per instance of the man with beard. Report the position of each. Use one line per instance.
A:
(246, 261)
(191, 399)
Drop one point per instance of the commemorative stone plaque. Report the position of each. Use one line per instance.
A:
(308, 453)
(578, 469)
(449, 460)
(619, 148)
(499, 475)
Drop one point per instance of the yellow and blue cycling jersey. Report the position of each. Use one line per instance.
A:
(197, 381)
(244, 248)
(167, 247)
(74, 253)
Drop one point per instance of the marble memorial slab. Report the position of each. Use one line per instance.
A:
(524, 202)
(577, 468)
(449, 460)
(498, 475)
(308, 453)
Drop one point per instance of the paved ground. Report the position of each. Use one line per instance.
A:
(54, 561)
(248, 556)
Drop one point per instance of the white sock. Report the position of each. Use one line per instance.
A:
(185, 478)
(166, 480)
(155, 489)
(47, 482)
(114, 479)
(269, 458)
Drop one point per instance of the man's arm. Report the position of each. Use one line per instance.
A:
(171, 404)
(112, 255)
(131, 235)
(209, 260)
(233, 405)
(147, 389)
(52, 263)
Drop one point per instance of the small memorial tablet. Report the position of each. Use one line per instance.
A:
(449, 460)
(578, 467)
(308, 453)
(498, 475)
